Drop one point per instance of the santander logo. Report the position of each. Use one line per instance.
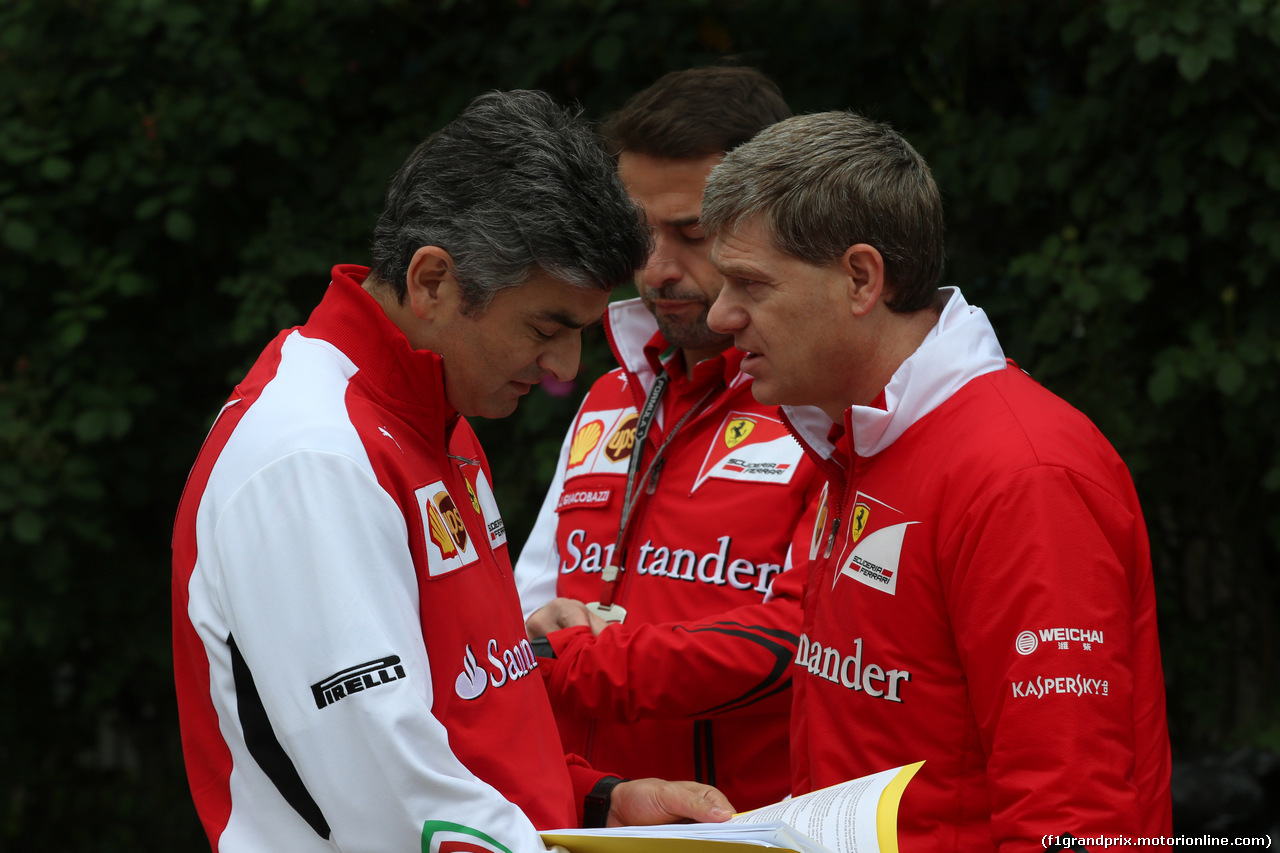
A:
(472, 680)
(506, 666)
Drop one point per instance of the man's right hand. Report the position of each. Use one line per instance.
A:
(562, 613)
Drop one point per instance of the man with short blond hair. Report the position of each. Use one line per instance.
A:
(980, 592)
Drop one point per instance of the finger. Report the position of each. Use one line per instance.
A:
(696, 802)
(597, 624)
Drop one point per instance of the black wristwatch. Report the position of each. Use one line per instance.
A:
(542, 647)
(595, 808)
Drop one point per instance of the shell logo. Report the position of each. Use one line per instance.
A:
(439, 532)
(623, 439)
(584, 442)
(737, 431)
(452, 520)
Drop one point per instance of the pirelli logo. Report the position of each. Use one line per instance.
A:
(355, 679)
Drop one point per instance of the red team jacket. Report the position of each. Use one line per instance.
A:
(706, 700)
(352, 669)
(980, 597)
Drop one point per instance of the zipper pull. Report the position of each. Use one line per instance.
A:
(831, 540)
(653, 476)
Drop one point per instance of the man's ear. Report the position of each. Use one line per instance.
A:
(430, 283)
(864, 266)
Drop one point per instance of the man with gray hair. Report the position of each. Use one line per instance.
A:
(352, 671)
(980, 593)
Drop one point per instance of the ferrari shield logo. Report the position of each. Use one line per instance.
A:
(737, 431)
(475, 502)
(858, 521)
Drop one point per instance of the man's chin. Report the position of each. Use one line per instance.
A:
(695, 336)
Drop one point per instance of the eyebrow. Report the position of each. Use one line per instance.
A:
(683, 221)
(566, 320)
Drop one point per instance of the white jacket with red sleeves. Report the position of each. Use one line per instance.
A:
(352, 670)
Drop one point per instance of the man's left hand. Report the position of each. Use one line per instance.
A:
(643, 802)
(562, 613)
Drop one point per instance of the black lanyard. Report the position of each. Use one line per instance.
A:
(605, 607)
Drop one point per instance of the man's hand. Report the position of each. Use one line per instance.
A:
(643, 802)
(562, 613)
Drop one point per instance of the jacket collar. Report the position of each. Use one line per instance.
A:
(633, 334)
(353, 321)
(961, 346)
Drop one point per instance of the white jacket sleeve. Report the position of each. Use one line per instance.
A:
(313, 574)
(538, 566)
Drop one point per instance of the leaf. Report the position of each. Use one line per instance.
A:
(1148, 47)
(606, 52)
(73, 334)
(27, 527)
(20, 236)
(1192, 64)
(179, 226)
(1230, 376)
(1163, 385)
(56, 169)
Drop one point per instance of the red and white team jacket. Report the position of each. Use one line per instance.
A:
(352, 669)
(980, 597)
(694, 684)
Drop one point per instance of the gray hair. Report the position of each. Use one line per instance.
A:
(821, 183)
(515, 186)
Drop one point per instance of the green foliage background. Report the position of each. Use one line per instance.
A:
(177, 178)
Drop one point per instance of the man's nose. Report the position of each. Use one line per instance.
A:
(725, 316)
(664, 266)
(562, 356)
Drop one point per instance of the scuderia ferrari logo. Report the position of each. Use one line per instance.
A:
(750, 447)
(873, 549)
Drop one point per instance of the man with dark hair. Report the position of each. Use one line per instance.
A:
(979, 593)
(676, 496)
(351, 665)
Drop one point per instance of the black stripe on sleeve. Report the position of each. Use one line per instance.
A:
(266, 749)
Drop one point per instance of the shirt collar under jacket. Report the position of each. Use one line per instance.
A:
(637, 345)
(961, 346)
(353, 321)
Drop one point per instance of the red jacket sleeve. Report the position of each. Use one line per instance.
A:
(735, 662)
(1050, 578)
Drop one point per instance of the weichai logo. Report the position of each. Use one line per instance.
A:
(585, 441)
(623, 439)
